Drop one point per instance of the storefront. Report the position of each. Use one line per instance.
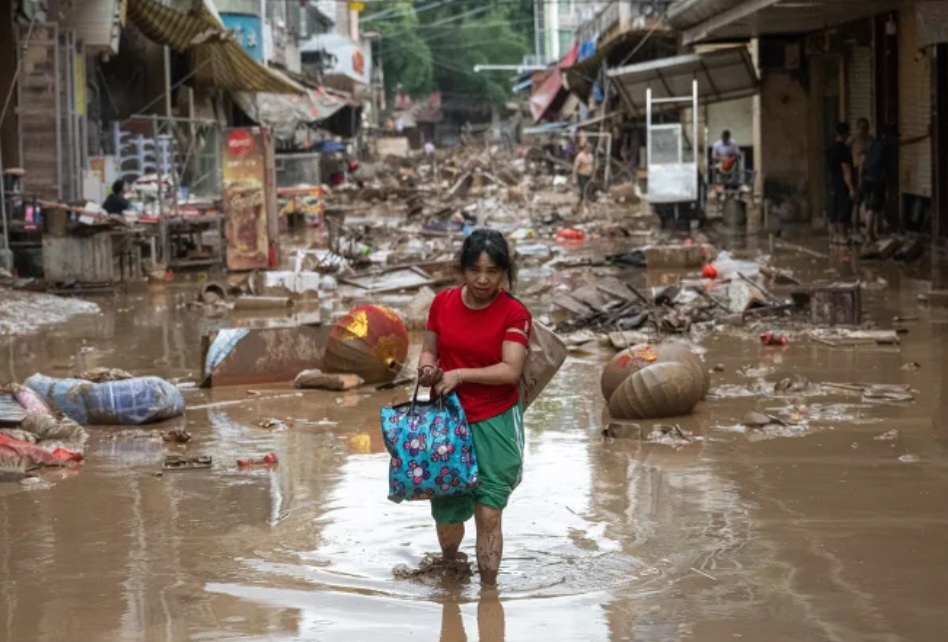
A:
(915, 117)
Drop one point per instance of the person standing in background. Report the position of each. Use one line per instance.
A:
(116, 203)
(583, 170)
(839, 164)
(859, 145)
(879, 165)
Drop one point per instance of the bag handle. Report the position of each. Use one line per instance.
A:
(414, 399)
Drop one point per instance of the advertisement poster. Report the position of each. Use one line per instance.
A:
(351, 60)
(248, 32)
(246, 198)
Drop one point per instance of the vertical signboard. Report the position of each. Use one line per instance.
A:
(248, 32)
(247, 198)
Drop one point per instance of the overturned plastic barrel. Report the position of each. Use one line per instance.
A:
(656, 391)
(640, 356)
(370, 341)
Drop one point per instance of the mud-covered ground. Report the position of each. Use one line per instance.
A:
(832, 528)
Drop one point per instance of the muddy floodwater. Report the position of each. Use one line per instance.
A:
(830, 529)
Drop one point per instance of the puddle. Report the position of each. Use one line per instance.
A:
(715, 533)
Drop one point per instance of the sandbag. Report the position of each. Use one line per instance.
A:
(131, 402)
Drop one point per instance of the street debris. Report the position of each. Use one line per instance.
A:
(22, 312)
(21, 456)
(371, 341)
(792, 384)
(137, 401)
(640, 356)
(31, 402)
(262, 303)
(273, 424)
(878, 392)
(176, 436)
(659, 390)
(320, 380)
(270, 459)
(187, 462)
(102, 375)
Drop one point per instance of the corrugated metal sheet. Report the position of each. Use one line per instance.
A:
(87, 259)
(915, 159)
(722, 75)
(859, 83)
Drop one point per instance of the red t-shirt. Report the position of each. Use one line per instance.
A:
(474, 339)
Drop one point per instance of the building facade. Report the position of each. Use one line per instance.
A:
(834, 61)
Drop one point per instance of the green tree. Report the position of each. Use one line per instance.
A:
(403, 53)
(435, 45)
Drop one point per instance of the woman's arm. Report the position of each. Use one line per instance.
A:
(505, 373)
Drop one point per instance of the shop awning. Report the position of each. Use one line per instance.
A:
(218, 60)
(551, 94)
(285, 113)
(700, 20)
(581, 77)
(724, 74)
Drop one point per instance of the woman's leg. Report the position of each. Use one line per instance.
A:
(450, 537)
(490, 543)
(449, 514)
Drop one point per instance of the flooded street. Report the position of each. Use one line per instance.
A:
(830, 530)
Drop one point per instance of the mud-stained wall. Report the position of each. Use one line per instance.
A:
(785, 145)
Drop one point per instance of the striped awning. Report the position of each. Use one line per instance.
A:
(218, 60)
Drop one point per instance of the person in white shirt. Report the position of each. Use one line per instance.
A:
(725, 148)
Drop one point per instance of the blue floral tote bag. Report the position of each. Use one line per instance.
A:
(431, 447)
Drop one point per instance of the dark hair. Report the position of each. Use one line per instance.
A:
(842, 129)
(726, 133)
(493, 244)
(118, 187)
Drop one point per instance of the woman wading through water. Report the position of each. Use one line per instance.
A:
(476, 345)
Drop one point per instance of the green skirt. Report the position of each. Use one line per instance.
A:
(498, 446)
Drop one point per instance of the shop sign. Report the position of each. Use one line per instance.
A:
(248, 32)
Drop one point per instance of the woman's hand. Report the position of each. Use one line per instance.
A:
(429, 376)
(448, 383)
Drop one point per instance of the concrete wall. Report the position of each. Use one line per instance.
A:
(785, 145)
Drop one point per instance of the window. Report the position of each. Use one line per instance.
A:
(566, 7)
(566, 41)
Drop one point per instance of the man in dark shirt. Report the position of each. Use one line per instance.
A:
(116, 202)
(879, 166)
(839, 162)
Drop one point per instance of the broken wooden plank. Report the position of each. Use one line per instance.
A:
(861, 338)
(616, 288)
(570, 304)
